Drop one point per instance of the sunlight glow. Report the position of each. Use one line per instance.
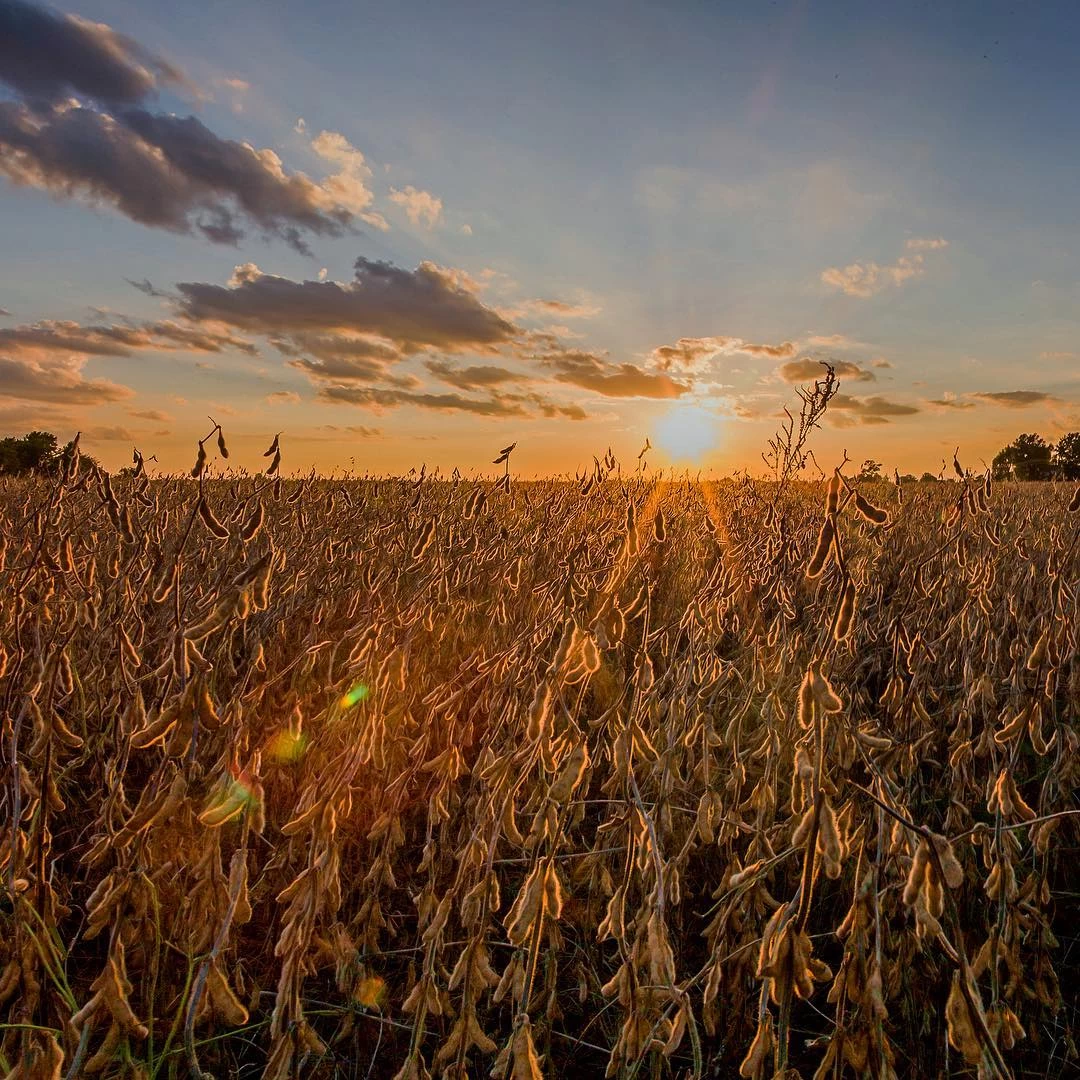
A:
(687, 433)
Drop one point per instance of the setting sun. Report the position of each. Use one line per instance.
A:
(687, 434)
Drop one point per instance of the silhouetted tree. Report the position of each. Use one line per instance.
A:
(34, 452)
(1027, 457)
(869, 470)
(1067, 456)
(37, 452)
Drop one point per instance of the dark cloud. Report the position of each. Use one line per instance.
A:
(47, 56)
(413, 309)
(476, 377)
(150, 414)
(145, 287)
(338, 357)
(845, 411)
(379, 398)
(1015, 399)
(168, 172)
(808, 370)
(117, 340)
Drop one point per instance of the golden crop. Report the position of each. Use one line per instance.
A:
(416, 778)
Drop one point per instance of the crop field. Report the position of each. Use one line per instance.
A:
(620, 776)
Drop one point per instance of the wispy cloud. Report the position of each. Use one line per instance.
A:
(421, 207)
(1015, 399)
(865, 279)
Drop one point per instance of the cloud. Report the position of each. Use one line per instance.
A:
(410, 309)
(78, 129)
(833, 341)
(52, 336)
(146, 288)
(476, 377)
(594, 373)
(47, 56)
(808, 370)
(949, 401)
(563, 309)
(156, 415)
(56, 380)
(348, 187)
(880, 362)
(378, 398)
(691, 353)
(421, 207)
(108, 434)
(864, 279)
(1016, 399)
(927, 243)
(167, 172)
(282, 397)
(845, 411)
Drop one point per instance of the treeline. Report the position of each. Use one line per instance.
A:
(35, 452)
(1031, 457)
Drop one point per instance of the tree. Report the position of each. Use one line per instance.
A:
(870, 470)
(1027, 457)
(928, 477)
(34, 452)
(1067, 456)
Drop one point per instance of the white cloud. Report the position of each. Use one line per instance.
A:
(348, 187)
(927, 243)
(865, 279)
(420, 206)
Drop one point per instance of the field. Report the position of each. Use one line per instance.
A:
(419, 777)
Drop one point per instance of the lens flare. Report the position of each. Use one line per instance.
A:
(357, 694)
(287, 747)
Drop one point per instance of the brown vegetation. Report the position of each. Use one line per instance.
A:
(414, 777)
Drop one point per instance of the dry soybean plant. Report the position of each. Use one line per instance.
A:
(625, 776)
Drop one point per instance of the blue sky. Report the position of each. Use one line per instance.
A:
(889, 186)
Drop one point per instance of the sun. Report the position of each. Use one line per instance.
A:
(687, 433)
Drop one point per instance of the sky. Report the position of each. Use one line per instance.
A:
(415, 233)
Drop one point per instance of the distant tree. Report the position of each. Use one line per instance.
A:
(34, 452)
(1067, 456)
(907, 478)
(1027, 457)
(869, 470)
(928, 477)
